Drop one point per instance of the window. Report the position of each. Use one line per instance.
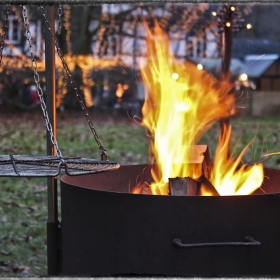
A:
(195, 47)
(14, 33)
(190, 48)
(201, 47)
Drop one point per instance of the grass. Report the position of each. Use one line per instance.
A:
(263, 132)
(23, 202)
(23, 212)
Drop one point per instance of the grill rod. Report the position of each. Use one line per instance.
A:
(53, 226)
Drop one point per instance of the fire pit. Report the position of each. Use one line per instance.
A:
(108, 230)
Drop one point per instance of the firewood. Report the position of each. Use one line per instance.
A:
(183, 186)
(206, 163)
(145, 190)
(206, 188)
(198, 159)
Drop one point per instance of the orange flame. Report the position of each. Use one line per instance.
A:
(230, 179)
(181, 104)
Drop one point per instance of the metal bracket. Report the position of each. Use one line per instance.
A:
(250, 242)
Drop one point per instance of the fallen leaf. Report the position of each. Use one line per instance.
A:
(5, 253)
(4, 237)
(28, 238)
(4, 219)
(23, 269)
(34, 249)
(3, 263)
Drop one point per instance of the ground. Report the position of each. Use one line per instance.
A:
(23, 201)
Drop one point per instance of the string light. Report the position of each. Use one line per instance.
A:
(243, 77)
(199, 66)
(249, 26)
(62, 78)
(67, 25)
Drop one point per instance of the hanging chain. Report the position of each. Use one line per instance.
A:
(37, 81)
(59, 19)
(4, 33)
(104, 155)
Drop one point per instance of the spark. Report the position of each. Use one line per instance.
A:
(124, 70)
(255, 60)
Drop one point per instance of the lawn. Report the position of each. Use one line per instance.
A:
(23, 202)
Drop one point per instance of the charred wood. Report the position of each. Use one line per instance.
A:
(206, 188)
(183, 186)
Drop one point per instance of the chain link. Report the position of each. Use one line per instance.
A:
(37, 81)
(4, 33)
(59, 19)
(104, 154)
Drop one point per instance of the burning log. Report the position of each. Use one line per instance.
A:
(199, 160)
(206, 163)
(186, 186)
(189, 187)
(145, 189)
(206, 187)
(183, 186)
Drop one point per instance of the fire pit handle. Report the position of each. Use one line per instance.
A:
(250, 242)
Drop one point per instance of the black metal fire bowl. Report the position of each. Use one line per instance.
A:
(106, 230)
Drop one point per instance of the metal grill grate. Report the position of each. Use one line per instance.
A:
(50, 166)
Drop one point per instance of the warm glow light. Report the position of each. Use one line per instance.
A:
(199, 66)
(119, 91)
(232, 8)
(177, 113)
(228, 24)
(249, 26)
(228, 177)
(175, 76)
(243, 77)
(214, 14)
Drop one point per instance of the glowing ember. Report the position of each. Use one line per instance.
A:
(181, 104)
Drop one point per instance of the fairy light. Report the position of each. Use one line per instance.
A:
(62, 79)
(199, 66)
(67, 25)
(249, 26)
(243, 77)
(87, 87)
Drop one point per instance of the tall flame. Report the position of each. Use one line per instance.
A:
(181, 104)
